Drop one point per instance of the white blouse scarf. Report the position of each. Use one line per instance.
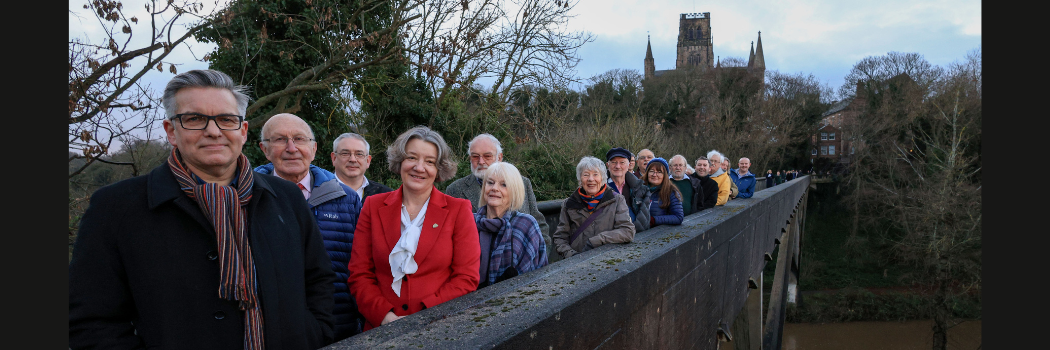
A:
(402, 257)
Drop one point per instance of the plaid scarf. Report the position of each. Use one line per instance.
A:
(516, 242)
(592, 201)
(224, 206)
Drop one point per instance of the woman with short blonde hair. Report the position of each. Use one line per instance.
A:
(511, 242)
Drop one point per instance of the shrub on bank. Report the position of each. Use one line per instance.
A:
(858, 304)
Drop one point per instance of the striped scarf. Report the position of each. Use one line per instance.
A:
(225, 208)
(592, 201)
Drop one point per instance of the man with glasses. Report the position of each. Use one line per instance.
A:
(692, 192)
(351, 158)
(644, 156)
(202, 252)
(484, 150)
(289, 145)
(720, 176)
(629, 186)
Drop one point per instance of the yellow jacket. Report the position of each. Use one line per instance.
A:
(724, 184)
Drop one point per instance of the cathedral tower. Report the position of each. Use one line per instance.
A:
(694, 41)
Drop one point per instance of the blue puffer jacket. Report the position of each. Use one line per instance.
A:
(673, 215)
(336, 207)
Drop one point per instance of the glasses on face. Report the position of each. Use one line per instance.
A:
(197, 121)
(298, 140)
(345, 155)
(488, 157)
(656, 171)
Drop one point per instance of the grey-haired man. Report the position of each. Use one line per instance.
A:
(484, 150)
(351, 158)
(202, 252)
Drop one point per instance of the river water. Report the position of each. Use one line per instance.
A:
(877, 335)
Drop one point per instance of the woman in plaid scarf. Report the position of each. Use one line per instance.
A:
(511, 242)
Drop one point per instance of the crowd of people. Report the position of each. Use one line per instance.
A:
(207, 251)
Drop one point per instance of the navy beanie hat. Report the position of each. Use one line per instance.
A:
(661, 161)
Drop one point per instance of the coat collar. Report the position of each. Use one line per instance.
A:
(162, 187)
(437, 212)
(327, 191)
(575, 201)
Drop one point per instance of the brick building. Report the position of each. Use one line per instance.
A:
(832, 145)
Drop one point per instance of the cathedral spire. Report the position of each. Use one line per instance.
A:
(650, 65)
(648, 48)
(760, 60)
(751, 57)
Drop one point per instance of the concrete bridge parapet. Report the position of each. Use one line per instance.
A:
(674, 287)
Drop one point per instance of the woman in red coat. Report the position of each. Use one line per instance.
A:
(414, 247)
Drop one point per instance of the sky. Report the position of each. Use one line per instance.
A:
(820, 37)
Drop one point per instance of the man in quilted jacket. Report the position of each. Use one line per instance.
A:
(289, 145)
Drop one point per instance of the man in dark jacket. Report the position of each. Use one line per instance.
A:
(201, 253)
(622, 181)
(289, 145)
(692, 191)
(351, 158)
(643, 158)
(710, 187)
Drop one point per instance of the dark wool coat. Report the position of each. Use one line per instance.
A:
(637, 198)
(710, 188)
(336, 207)
(144, 272)
(375, 188)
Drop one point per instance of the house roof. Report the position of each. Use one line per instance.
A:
(837, 106)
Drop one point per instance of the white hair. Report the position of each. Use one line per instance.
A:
(591, 163)
(712, 154)
(495, 141)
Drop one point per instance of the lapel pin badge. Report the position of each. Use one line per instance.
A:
(435, 225)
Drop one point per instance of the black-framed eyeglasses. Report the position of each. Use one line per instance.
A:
(197, 121)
